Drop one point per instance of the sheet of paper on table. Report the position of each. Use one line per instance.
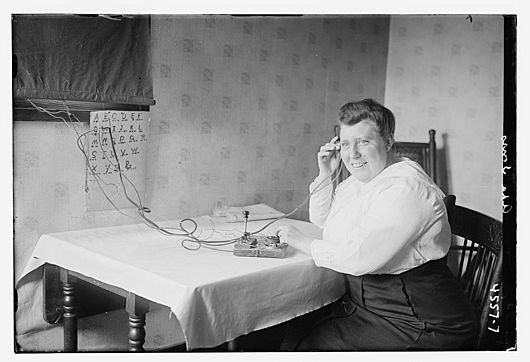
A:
(256, 212)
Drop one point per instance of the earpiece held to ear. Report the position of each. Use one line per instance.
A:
(336, 131)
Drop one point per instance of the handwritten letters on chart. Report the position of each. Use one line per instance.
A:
(117, 147)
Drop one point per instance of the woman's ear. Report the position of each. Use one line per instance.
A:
(389, 144)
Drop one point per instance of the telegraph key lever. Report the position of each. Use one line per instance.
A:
(245, 215)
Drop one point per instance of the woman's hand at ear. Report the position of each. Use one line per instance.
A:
(328, 157)
(295, 238)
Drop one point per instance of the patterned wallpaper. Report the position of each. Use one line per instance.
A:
(244, 103)
(446, 73)
(49, 185)
(49, 196)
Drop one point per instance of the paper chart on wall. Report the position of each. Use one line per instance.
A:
(117, 159)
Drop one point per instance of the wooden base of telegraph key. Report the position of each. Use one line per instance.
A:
(259, 246)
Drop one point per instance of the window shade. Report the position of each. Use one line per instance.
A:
(82, 58)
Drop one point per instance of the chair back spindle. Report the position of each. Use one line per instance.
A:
(480, 259)
(423, 153)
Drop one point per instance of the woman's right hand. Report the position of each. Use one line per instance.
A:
(328, 157)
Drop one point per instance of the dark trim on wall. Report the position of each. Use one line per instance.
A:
(23, 110)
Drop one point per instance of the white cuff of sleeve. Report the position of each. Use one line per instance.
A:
(320, 253)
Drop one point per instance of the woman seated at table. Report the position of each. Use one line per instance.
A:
(385, 228)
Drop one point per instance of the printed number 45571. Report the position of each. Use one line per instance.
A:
(494, 306)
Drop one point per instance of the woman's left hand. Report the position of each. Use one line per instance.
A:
(295, 238)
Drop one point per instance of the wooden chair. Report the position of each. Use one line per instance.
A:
(479, 264)
(422, 153)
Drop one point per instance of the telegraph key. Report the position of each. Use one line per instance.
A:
(259, 245)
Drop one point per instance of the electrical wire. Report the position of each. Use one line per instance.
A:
(187, 232)
(231, 241)
(191, 239)
(81, 147)
(97, 178)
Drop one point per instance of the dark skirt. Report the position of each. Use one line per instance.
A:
(421, 309)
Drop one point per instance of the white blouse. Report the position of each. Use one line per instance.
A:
(393, 223)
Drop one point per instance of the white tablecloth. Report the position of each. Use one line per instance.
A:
(215, 296)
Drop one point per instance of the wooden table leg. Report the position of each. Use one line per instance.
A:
(69, 315)
(137, 308)
(233, 345)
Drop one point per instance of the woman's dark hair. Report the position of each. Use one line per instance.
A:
(354, 112)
